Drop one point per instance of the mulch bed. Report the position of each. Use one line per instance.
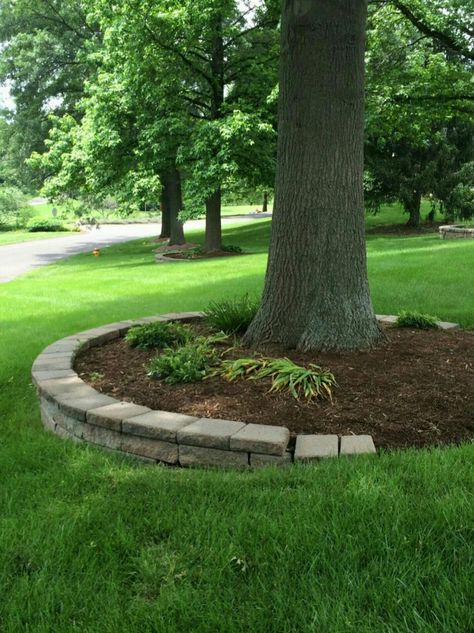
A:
(201, 255)
(416, 389)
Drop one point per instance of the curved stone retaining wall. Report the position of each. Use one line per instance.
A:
(452, 231)
(74, 410)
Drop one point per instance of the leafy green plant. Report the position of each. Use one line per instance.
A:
(232, 316)
(158, 334)
(36, 225)
(189, 363)
(231, 248)
(414, 319)
(306, 383)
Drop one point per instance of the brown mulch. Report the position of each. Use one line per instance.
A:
(202, 255)
(416, 389)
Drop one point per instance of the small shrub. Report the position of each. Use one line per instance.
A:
(189, 363)
(36, 225)
(232, 316)
(231, 248)
(12, 200)
(159, 334)
(416, 320)
(306, 383)
(191, 253)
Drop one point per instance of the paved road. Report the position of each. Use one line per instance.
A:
(17, 259)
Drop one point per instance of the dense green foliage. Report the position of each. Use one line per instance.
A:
(414, 319)
(190, 362)
(158, 335)
(12, 201)
(420, 119)
(232, 316)
(91, 541)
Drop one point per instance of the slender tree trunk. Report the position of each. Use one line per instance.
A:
(213, 238)
(173, 195)
(413, 208)
(165, 215)
(265, 202)
(316, 294)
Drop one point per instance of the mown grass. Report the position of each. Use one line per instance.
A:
(91, 542)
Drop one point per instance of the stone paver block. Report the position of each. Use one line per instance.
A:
(258, 461)
(181, 316)
(112, 415)
(260, 438)
(153, 449)
(102, 437)
(209, 433)
(65, 435)
(99, 335)
(199, 456)
(38, 376)
(387, 318)
(71, 385)
(357, 444)
(160, 425)
(446, 325)
(48, 422)
(71, 425)
(310, 447)
(78, 407)
(62, 347)
(44, 363)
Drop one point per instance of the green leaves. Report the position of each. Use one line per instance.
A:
(303, 383)
(158, 335)
(413, 319)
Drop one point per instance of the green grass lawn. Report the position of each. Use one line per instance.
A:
(93, 543)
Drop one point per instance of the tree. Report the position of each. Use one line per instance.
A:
(44, 58)
(419, 112)
(316, 293)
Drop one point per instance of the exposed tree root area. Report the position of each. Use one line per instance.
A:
(415, 389)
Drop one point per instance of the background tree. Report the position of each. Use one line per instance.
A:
(419, 122)
(45, 58)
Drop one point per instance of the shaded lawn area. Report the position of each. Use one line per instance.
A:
(91, 542)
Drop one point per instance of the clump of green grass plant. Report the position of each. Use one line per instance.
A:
(232, 316)
(413, 319)
(303, 383)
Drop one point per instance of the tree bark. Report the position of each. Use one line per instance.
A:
(165, 216)
(316, 294)
(265, 202)
(412, 206)
(213, 238)
(173, 195)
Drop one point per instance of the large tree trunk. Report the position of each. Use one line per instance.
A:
(213, 238)
(412, 206)
(316, 294)
(165, 216)
(173, 196)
